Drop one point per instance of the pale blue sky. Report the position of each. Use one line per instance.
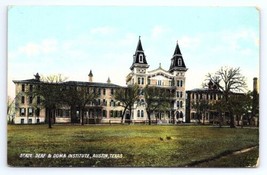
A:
(71, 40)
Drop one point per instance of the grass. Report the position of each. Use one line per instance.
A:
(139, 145)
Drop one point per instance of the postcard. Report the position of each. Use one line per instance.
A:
(133, 86)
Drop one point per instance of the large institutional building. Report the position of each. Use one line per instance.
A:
(184, 105)
(29, 109)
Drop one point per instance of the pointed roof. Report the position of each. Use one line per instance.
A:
(139, 57)
(139, 46)
(90, 73)
(177, 61)
(177, 50)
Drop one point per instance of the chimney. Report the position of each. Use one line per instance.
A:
(255, 84)
(90, 75)
(108, 81)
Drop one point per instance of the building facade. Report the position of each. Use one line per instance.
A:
(173, 79)
(105, 108)
(202, 106)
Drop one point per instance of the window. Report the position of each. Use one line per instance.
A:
(22, 121)
(181, 104)
(99, 91)
(23, 87)
(179, 62)
(30, 100)
(181, 94)
(178, 104)
(142, 113)
(181, 83)
(104, 102)
(104, 113)
(30, 112)
(30, 121)
(141, 60)
(112, 103)
(112, 91)
(139, 81)
(148, 81)
(142, 80)
(104, 91)
(37, 112)
(38, 100)
(138, 113)
(31, 88)
(22, 99)
(178, 83)
(159, 82)
(22, 111)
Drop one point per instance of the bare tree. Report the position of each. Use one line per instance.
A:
(10, 109)
(228, 80)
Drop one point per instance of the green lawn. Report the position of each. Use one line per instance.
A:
(139, 145)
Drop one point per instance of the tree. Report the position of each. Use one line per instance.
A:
(156, 99)
(127, 97)
(229, 81)
(78, 97)
(201, 107)
(10, 110)
(49, 90)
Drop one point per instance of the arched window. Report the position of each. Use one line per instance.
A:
(141, 58)
(179, 62)
(142, 80)
(138, 113)
(142, 113)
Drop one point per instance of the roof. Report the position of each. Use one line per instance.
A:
(91, 84)
(139, 51)
(28, 81)
(177, 61)
(72, 83)
(139, 46)
(203, 90)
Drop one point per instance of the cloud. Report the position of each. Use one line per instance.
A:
(105, 30)
(32, 49)
(158, 31)
(189, 42)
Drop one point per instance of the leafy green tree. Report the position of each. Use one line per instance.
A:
(228, 80)
(78, 97)
(156, 99)
(127, 97)
(49, 90)
(201, 107)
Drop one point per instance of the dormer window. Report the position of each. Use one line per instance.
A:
(141, 58)
(179, 62)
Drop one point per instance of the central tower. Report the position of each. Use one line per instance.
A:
(178, 69)
(139, 67)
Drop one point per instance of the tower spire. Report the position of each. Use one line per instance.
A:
(139, 57)
(177, 61)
